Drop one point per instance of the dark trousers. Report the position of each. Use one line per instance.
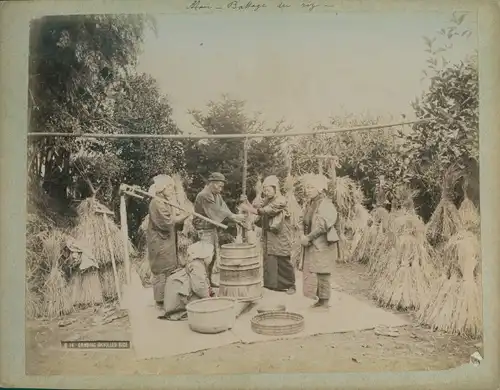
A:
(278, 272)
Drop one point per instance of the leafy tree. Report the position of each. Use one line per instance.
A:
(451, 106)
(227, 116)
(76, 63)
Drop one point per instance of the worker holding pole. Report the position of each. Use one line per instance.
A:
(209, 203)
(161, 234)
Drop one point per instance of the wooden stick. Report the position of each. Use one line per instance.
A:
(113, 261)
(222, 136)
(124, 227)
(129, 191)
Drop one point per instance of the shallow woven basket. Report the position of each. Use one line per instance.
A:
(277, 323)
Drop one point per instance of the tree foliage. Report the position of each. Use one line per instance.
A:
(228, 116)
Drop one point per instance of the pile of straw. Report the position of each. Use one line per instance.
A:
(348, 199)
(55, 289)
(372, 238)
(469, 214)
(92, 286)
(445, 220)
(91, 230)
(405, 275)
(455, 305)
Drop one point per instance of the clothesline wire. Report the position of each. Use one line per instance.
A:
(323, 130)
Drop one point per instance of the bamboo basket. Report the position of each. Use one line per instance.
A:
(278, 323)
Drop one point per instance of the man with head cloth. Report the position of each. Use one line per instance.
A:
(210, 204)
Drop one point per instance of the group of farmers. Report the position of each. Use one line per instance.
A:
(176, 284)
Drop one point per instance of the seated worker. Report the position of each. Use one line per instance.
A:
(189, 283)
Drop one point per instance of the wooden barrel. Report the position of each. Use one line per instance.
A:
(240, 272)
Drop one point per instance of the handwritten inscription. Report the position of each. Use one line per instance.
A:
(197, 5)
(237, 5)
(283, 5)
(242, 6)
(309, 5)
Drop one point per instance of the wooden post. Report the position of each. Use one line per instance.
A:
(113, 261)
(124, 228)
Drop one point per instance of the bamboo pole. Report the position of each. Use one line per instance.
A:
(128, 190)
(113, 261)
(222, 136)
(124, 228)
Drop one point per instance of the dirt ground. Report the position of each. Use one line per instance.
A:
(415, 348)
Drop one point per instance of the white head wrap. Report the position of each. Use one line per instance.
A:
(160, 182)
(200, 250)
(320, 182)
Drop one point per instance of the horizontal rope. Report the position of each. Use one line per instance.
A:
(219, 136)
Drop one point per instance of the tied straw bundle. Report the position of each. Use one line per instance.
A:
(348, 198)
(373, 235)
(469, 214)
(445, 220)
(455, 305)
(55, 289)
(403, 277)
(407, 276)
(91, 285)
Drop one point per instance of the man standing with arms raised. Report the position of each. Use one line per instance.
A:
(209, 203)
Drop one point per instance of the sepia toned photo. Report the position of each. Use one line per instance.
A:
(232, 190)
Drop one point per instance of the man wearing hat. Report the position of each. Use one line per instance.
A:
(210, 204)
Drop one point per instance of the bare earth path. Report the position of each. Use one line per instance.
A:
(414, 348)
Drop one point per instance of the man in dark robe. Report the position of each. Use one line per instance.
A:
(210, 204)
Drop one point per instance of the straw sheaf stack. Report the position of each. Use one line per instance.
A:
(348, 199)
(92, 286)
(456, 301)
(445, 221)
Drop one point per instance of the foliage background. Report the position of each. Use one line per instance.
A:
(83, 79)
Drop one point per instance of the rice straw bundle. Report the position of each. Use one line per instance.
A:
(373, 236)
(469, 215)
(456, 304)
(361, 221)
(91, 230)
(445, 220)
(55, 288)
(107, 279)
(86, 288)
(407, 275)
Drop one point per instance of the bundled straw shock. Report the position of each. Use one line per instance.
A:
(407, 275)
(456, 302)
(55, 289)
(468, 212)
(445, 220)
(91, 229)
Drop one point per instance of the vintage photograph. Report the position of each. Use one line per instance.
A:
(259, 193)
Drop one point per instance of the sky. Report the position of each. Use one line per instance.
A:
(303, 68)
